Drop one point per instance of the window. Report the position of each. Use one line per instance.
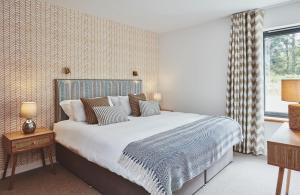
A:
(281, 61)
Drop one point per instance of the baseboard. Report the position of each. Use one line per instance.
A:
(27, 167)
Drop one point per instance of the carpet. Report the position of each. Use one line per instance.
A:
(249, 175)
(246, 175)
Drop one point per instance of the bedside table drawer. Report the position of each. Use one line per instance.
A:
(31, 143)
(283, 156)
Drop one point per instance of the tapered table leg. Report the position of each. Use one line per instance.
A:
(279, 180)
(288, 181)
(43, 156)
(5, 166)
(11, 179)
(51, 159)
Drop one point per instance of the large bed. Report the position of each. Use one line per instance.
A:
(93, 152)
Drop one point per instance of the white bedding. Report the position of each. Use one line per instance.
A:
(103, 145)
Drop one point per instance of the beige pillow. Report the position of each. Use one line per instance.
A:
(134, 103)
(89, 103)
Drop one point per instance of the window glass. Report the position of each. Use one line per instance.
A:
(282, 61)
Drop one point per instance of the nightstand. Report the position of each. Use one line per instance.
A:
(284, 152)
(17, 142)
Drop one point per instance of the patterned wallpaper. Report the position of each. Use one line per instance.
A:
(38, 39)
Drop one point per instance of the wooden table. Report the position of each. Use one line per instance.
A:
(284, 152)
(17, 142)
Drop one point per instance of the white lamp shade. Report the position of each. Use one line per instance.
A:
(157, 96)
(28, 110)
(290, 90)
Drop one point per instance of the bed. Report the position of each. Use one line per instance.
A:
(92, 152)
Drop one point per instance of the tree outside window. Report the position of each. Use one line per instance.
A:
(282, 61)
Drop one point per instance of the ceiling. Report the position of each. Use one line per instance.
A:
(164, 15)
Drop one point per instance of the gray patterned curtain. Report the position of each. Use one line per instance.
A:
(244, 101)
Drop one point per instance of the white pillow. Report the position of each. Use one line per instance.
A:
(122, 101)
(113, 100)
(66, 106)
(78, 113)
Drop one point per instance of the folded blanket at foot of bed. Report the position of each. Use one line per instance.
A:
(165, 161)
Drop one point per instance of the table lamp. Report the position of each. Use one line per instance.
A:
(290, 92)
(157, 97)
(28, 111)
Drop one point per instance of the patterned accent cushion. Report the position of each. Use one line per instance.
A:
(149, 108)
(110, 114)
(89, 103)
(134, 103)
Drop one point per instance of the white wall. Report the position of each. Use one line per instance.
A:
(193, 62)
(282, 16)
(193, 68)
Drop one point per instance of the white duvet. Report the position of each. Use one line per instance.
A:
(103, 145)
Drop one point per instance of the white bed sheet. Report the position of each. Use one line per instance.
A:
(103, 145)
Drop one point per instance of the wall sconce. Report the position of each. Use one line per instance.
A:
(135, 73)
(66, 70)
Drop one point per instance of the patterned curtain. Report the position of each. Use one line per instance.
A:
(244, 101)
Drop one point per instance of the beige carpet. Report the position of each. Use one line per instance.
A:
(247, 175)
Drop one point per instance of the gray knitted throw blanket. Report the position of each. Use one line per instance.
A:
(165, 161)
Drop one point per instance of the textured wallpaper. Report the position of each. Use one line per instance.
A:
(38, 39)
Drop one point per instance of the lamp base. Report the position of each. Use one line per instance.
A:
(294, 117)
(28, 126)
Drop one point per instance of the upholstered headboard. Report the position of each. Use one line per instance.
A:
(67, 89)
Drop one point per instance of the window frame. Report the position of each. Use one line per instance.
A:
(272, 33)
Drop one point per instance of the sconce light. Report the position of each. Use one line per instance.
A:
(135, 73)
(66, 70)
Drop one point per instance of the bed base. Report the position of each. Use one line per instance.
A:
(218, 166)
(109, 183)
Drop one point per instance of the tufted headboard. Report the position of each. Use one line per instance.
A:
(67, 89)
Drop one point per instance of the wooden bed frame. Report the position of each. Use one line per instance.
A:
(105, 181)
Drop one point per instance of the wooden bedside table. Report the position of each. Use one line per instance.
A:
(17, 142)
(284, 152)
